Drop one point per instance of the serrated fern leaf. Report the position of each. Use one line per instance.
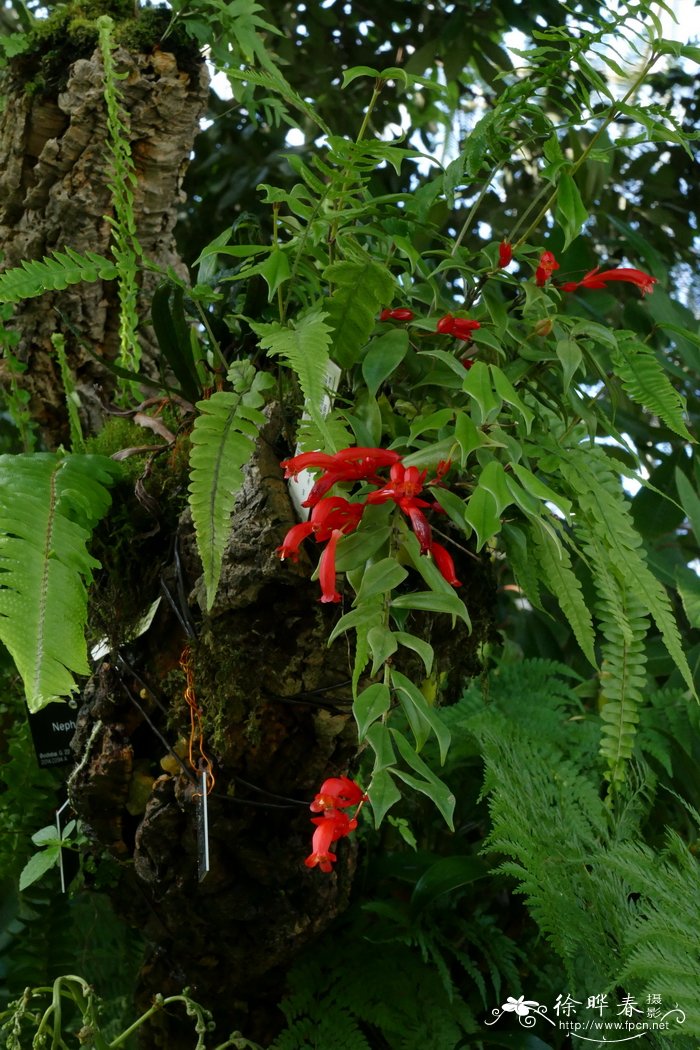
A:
(49, 505)
(53, 274)
(222, 442)
(624, 626)
(362, 286)
(645, 381)
(305, 346)
(561, 580)
(603, 508)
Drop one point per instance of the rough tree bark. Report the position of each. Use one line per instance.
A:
(54, 192)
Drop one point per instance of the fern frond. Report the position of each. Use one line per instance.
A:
(304, 346)
(49, 505)
(563, 583)
(272, 79)
(603, 509)
(645, 381)
(53, 274)
(362, 286)
(222, 442)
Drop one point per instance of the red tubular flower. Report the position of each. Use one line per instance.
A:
(378, 457)
(598, 278)
(404, 483)
(293, 539)
(321, 844)
(443, 560)
(547, 265)
(459, 327)
(505, 254)
(338, 792)
(419, 522)
(402, 314)
(326, 569)
(334, 512)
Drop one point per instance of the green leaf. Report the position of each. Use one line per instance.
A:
(445, 876)
(54, 273)
(49, 505)
(357, 548)
(418, 645)
(541, 491)
(570, 211)
(174, 340)
(570, 355)
(426, 782)
(383, 795)
(645, 381)
(493, 479)
(383, 576)
(478, 385)
(482, 514)
(384, 355)
(305, 347)
(223, 439)
(690, 501)
(361, 287)
(562, 582)
(383, 644)
(37, 865)
(507, 392)
(275, 271)
(379, 739)
(411, 696)
(688, 585)
(429, 601)
(371, 704)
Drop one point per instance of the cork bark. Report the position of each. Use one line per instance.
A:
(54, 193)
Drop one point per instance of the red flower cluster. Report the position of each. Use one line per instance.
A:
(402, 314)
(334, 516)
(598, 278)
(547, 265)
(336, 794)
(459, 327)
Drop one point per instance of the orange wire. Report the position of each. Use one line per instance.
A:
(196, 732)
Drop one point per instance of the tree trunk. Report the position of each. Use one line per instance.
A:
(54, 193)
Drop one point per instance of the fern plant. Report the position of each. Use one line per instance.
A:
(49, 505)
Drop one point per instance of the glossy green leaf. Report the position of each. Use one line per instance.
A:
(383, 576)
(383, 357)
(482, 514)
(478, 385)
(429, 601)
(570, 211)
(418, 645)
(409, 694)
(383, 795)
(371, 704)
(426, 782)
(383, 644)
(570, 356)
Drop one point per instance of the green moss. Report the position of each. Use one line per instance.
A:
(70, 33)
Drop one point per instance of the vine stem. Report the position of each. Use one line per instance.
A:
(612, 114)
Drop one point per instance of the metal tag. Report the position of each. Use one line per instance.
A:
(202, 826)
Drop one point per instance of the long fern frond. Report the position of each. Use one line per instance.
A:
(222, 442)
(362, 286)
(49, 505)
(305, 347)
(53, 274)
(603, 509)
(645, 381)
